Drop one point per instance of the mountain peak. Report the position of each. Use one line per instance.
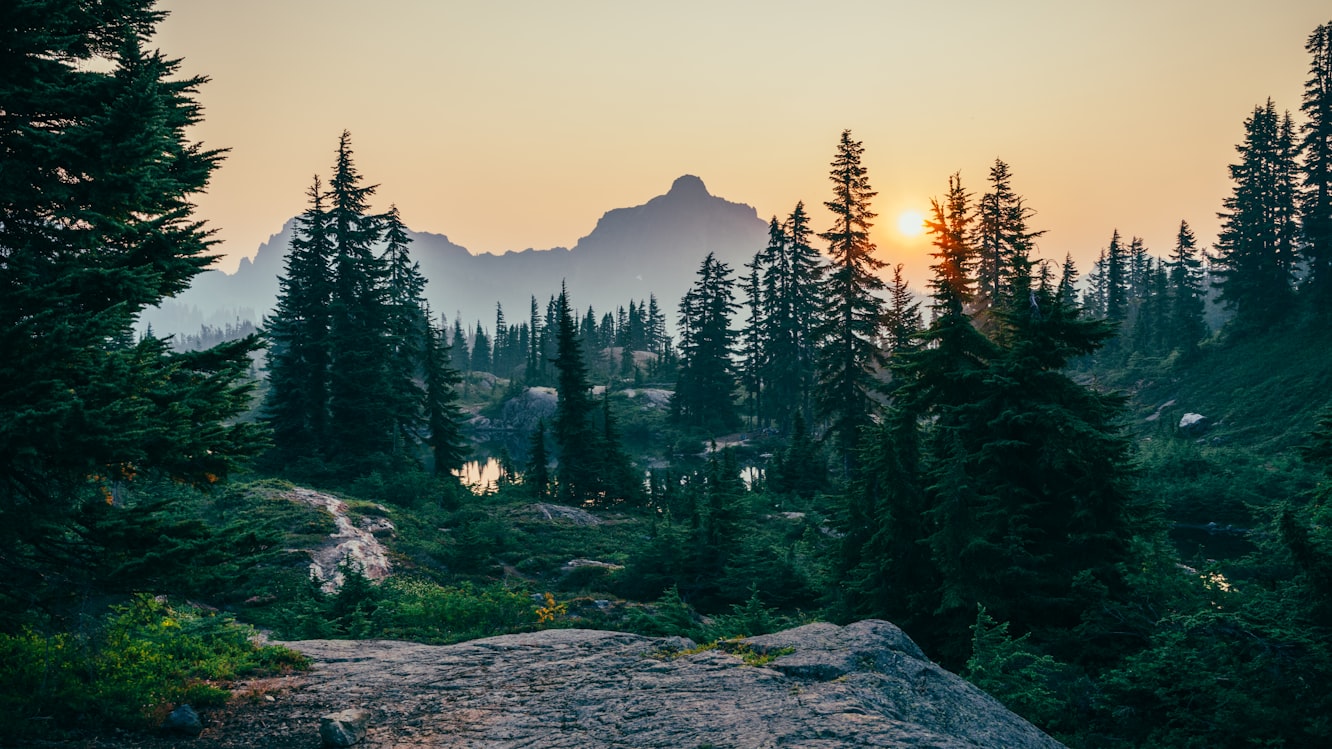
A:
(688, 185)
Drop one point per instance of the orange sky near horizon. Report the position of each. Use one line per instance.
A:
(516, 124)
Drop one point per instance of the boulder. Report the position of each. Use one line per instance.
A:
(344, 728)
(862, 685)
(1193, 424)
(184, 721)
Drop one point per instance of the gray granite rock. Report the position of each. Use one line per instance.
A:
(863, 685)
(343, 728)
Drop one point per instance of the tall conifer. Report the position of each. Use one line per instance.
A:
(1316, 199)
(852, 311)
(298, 338)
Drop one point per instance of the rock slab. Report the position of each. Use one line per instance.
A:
(818, 686)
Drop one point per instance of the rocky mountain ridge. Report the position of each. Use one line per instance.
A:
(654, 248)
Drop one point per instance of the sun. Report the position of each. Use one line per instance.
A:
(911, 223)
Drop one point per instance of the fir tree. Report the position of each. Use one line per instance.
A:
(655, 326)
(1186, 326)
(792, 280)
(481, 359)
(1255, 250)
(901, 320)
(360, 398)
(442, 415)
(537, 476)
(297, 331)
(1316, 197)
(852, 311)
(96, 225)
(575, 436)
(1002, 239)
(1115, 282)
(459, 354)
(705, 386)
(406, 325)
(752, 340)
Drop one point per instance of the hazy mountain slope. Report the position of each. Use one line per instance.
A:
(654, 248)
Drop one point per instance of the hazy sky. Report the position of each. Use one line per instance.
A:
(516, 124)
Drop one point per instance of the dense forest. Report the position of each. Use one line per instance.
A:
(1102, 498)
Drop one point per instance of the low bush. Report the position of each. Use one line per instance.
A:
(145, 657)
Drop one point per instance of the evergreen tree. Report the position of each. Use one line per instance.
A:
(901, 320)
(852, 311)
(575, 436)
(1316, 198)
(752, 340)
(792, 281)
(498, 354)
(1255, 250)
(443, 416)
(888, 569)
(406, 323)
(96, 225)
(459, 354)
(297, 331)
(705, 386)
(1115, 281)
(360, 398)
(536, 360)
(1002, 239)
(537, 477)
(657, 339)
(481, 359)
(619, 481)
(1186, 326)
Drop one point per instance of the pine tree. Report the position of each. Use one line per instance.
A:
(406, 323)
(705, 386)
(1002, 239)
(297, 331)
(481, 359)
(852, 311)
(1316, 197)
(1115, 281)
(536, 360)
(618, 480)
(901, 319)
(537, 476)
(792, 280)
(656, 326)
(443, 416)
(96, 202)
(1255, 250)
(498, 354)
(752, 340)
(360, 398)
(459, 354)
(573, 431)
(1186, 326)
(889, 571)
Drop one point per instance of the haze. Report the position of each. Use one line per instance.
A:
(517, 124)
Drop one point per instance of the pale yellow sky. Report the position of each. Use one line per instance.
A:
(509, 125)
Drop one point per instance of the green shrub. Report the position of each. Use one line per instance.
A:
(145, 658)
(420, 610)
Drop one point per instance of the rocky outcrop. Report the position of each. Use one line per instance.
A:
(359, 546)
(862, 685)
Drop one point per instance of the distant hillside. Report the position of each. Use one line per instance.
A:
(654, 248)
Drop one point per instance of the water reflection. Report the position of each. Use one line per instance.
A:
(480, 475)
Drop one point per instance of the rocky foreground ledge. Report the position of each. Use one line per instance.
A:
(817, 686)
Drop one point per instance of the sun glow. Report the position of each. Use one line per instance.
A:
(911, 223)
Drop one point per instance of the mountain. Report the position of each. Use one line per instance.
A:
(654, 248)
